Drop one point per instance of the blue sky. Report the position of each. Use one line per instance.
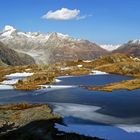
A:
(103, 21)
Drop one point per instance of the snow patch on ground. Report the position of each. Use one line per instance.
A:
(10, 81)
(79, 66)
(5, 87)
(13, 79)
(27, 69)
(65, 68)
(87, 61)
(21, 75)
(66, 76)
(96, 72)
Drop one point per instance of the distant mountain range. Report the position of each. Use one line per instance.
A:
(54, 47)
(50, 47)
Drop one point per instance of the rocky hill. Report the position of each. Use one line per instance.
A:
(50, 47)
(132, 48)
(11, 57)
(119, 64)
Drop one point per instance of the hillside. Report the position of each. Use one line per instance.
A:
(119, 64)
(131, 48)
(13, 58)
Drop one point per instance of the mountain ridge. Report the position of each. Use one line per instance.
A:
(132, 48)
(50, 47)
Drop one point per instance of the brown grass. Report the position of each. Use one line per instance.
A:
(20, 106)
(45, 74)
(15, 116)
(128, 85)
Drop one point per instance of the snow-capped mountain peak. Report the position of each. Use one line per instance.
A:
(7, 31)
(136, 41)
(10, 32)
(9, 28)
(110, 47)
(63, 36)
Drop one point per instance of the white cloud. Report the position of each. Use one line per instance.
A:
(64, 14)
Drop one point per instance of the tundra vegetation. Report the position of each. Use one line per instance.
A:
(46, 74)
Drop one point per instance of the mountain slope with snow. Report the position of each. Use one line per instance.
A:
(131, 48)
(110, 47)
(49, 47)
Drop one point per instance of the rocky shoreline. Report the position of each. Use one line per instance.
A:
(32, 122)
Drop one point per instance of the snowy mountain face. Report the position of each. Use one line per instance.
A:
(50, 47)
(10, 33)
(7, 31)
(110, 47)
(136, 41)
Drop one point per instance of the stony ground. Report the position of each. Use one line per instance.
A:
(14, 116)
(32, 122)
